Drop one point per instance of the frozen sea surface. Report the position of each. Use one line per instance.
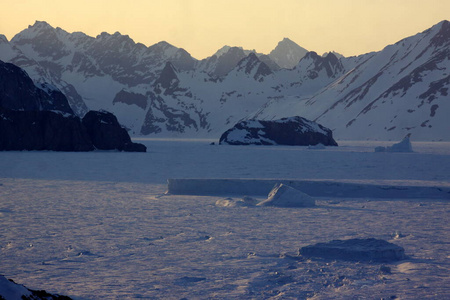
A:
(99, 226)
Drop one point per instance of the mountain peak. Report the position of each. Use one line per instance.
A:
(163, 48)
(227, 61)
(331, 59)
(252, 55)
(311, 55)
(287, 41)
(250, 59)
(117, 41)
(45, 41)
(39, 28)
(163, 45)
(116, 34)
(251, 65)
(443, 23)
(287, 54)
(3, 39)
(443, 36)
(315, 63)
(338, 55)
(222, 51)
(225, 49)
(235, 50)
(180, 58)
(40, 25)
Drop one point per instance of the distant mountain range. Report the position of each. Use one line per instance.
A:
(162, 90)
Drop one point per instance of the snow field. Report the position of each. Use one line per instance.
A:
(99, 226)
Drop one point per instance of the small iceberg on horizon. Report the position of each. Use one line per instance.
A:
(403, 146)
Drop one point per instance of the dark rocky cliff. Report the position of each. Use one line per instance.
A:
(40, 118)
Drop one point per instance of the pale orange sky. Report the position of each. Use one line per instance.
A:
(350, 27)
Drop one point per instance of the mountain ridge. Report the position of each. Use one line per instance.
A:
(401, 76)
(204, 98)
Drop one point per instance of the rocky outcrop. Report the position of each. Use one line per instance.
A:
(287, 131)
(131, 98)
(168, 80)
(47, 130)
(106, 133)
(355, 250)
(42, 130)
(40, 118)
(18, 92)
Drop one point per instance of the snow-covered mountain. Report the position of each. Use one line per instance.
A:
(192, 102)
(163, 90)
(84, 67)
(383, 95)
(157, 89)
(223, 61)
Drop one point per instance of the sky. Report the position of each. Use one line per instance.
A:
(350, 27)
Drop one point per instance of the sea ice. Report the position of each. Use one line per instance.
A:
(145, 244)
